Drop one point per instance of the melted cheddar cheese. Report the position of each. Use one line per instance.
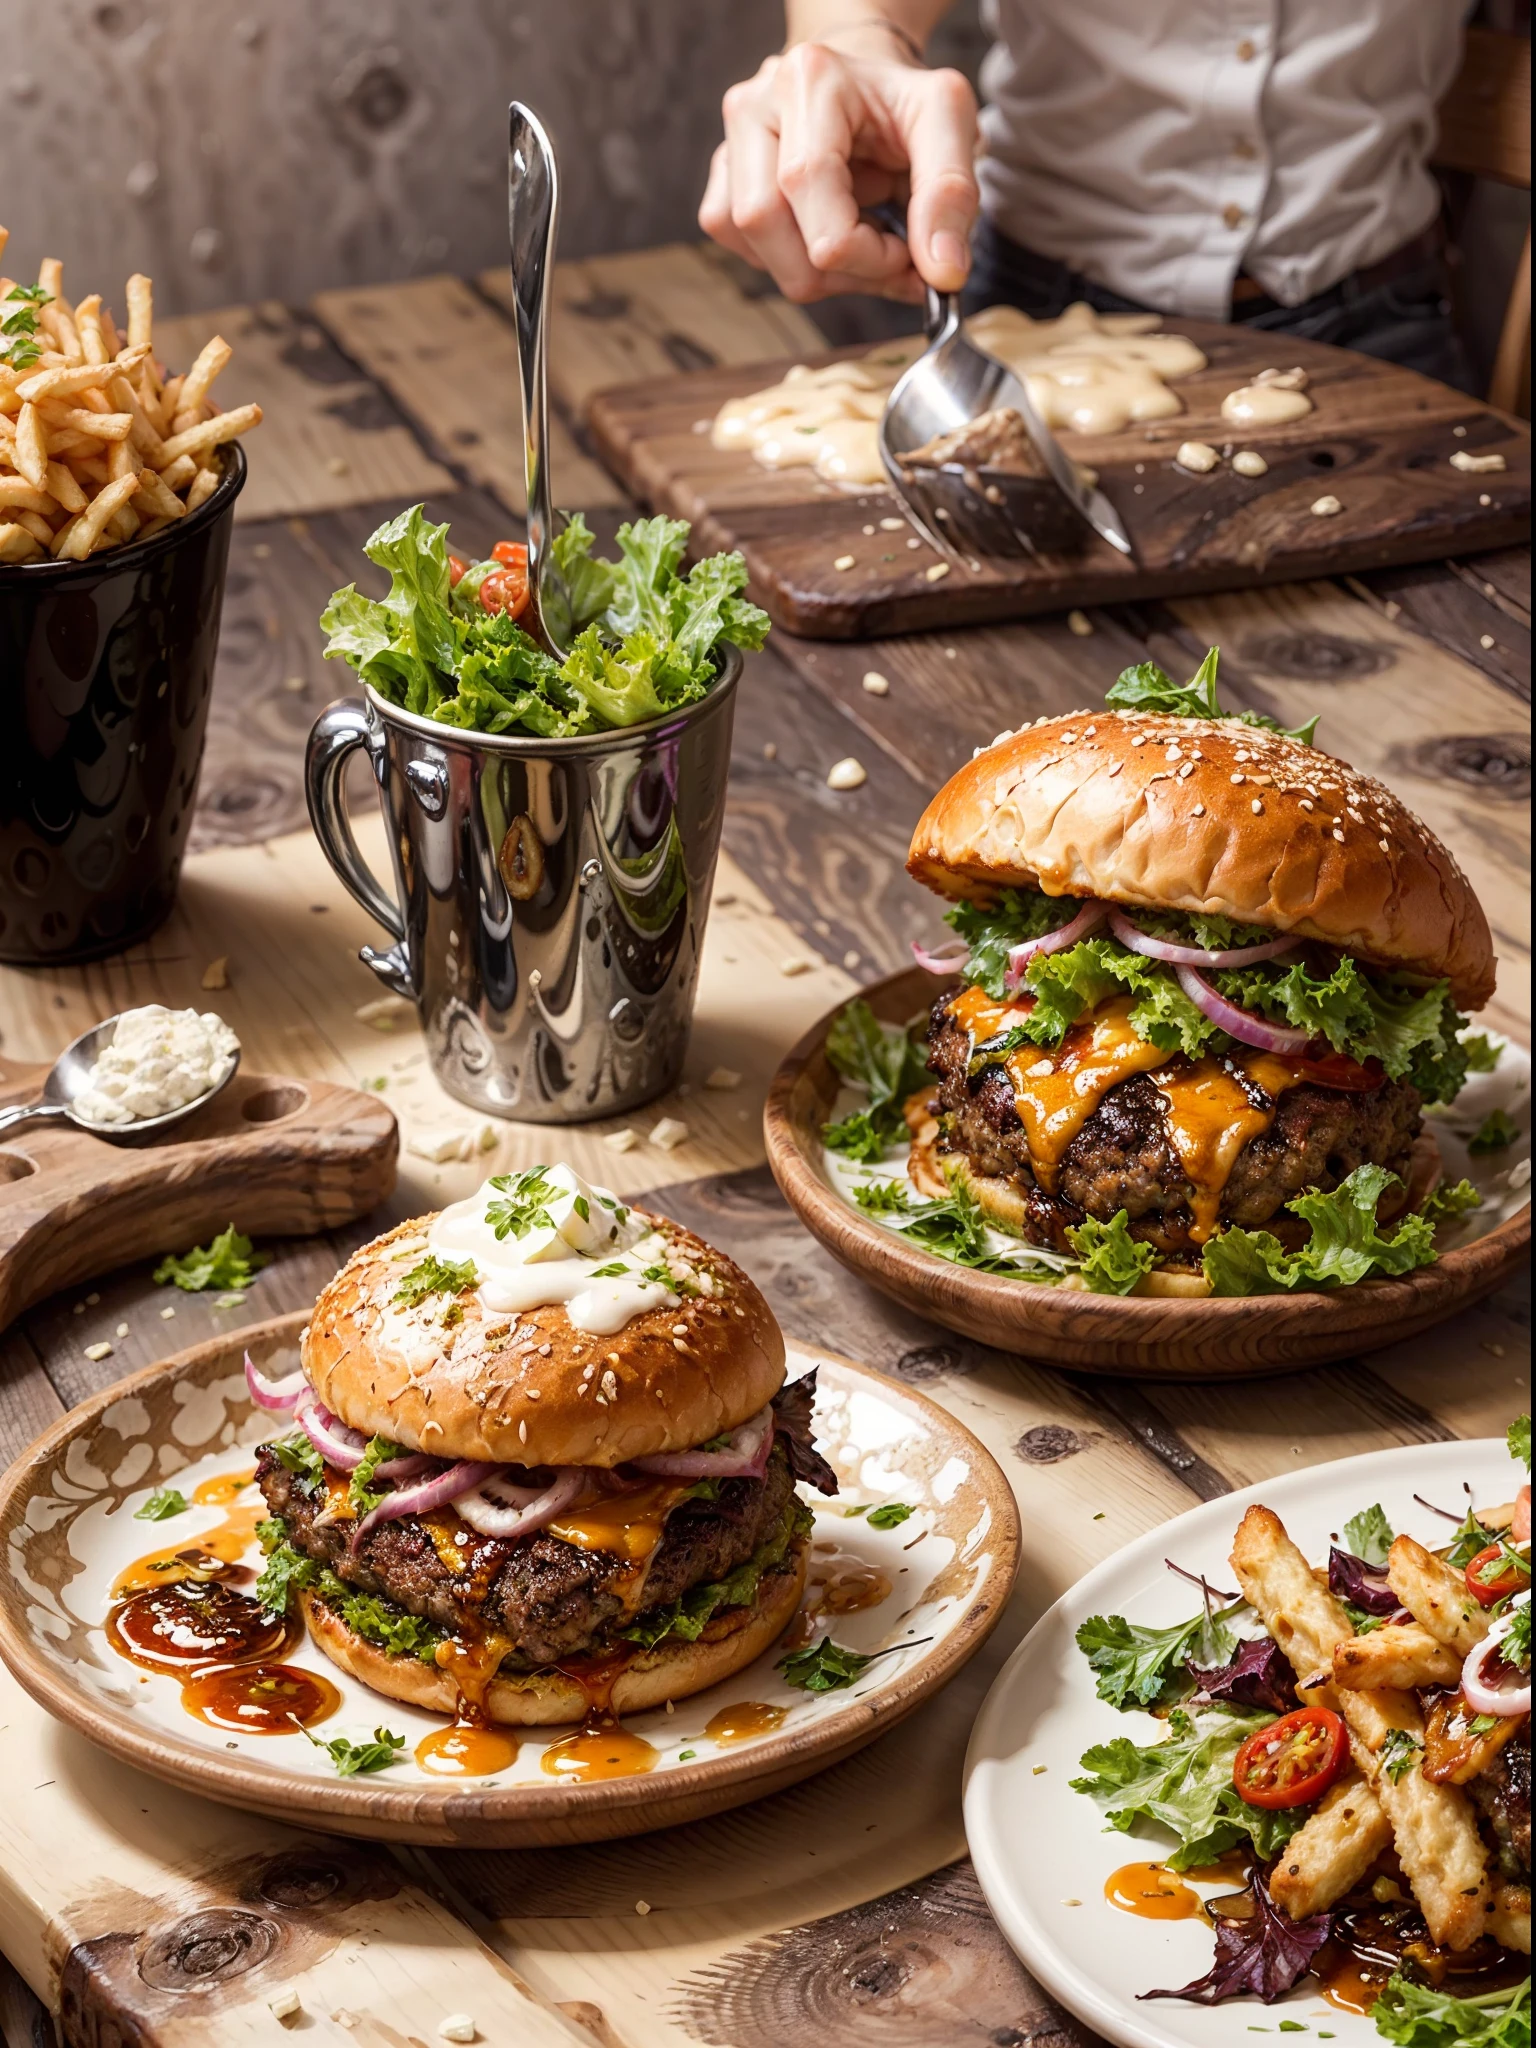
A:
(1210, 1114)
(628, 1525)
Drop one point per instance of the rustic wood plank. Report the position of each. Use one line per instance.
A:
(650, 313)
(328, 436)
(448, 359)
(1380, 440)
(1450, 604)
(29, 1403)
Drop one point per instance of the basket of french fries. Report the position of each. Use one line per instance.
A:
(118, 480)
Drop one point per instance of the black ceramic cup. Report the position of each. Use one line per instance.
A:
(106, 667)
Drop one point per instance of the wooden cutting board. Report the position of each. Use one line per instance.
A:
(1379, 439)
(274, 1155)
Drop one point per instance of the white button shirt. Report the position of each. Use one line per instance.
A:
(1161, 146)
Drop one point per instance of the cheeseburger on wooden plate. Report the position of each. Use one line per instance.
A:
(1210, 977)
(544, 1459)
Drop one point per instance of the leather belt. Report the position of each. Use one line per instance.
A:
(1413, 255)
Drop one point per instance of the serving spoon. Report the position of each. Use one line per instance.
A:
(952, 383)
(70, 1076)
(533, 209)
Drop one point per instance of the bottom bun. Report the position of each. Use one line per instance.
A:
(542, 1699)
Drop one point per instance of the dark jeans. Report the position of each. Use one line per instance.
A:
(1407, 321)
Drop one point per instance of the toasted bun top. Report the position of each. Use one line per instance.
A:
(1209, 815)
(531, 1389)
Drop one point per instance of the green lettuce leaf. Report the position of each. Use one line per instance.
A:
(1146, 687)
(589, 581)
(688, 1617)
(230, 1261)
(1113, 1262)
(1519, 1440)
(1184, 1783)
(376, 1620)
(1144, 1667)
(1417, 2016)
(992, 930)
(883, 1060)
(1345, 1245)
(1368, 1536)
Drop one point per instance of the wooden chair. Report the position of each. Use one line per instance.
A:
(1485, 129)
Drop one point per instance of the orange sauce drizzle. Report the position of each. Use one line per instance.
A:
(600, 1748)
(744, 1721)
(1151, 1891)
(173, 1631)
(200, 1557)
(627, 1524)
(260, 1699)
(462, 1751)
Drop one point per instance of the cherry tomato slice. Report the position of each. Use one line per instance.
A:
(1338, 1070)
(1293, 1761)
(1488, 1591)
(503, 590)
(456, 567)
(513, 553)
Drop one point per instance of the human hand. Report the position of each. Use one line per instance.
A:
(818, 135)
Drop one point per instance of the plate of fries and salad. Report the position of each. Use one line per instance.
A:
(1267, 1769)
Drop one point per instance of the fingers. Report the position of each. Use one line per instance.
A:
(821, 119)
(940, 135)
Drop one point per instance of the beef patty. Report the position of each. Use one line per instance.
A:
(554, 1600)
(1502, 1794)
(1123, 1157)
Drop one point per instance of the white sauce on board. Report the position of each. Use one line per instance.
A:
(159, 1060)
(580, 1247)
(1090, 372)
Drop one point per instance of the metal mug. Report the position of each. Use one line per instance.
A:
(551, 894)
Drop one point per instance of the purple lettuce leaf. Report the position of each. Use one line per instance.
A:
(792, 1406)
(1257, 1675)
(1262, 1957)
(1351, 1578)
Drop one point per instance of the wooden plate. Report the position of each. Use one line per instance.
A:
(1176, 1338)
(67, 1523)
(270, 1153)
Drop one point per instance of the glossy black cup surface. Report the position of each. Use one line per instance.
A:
(106, 669)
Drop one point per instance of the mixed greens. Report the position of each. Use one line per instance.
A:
(230, 1261)
(648, 637)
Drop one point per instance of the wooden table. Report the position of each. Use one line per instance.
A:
(843, 1909)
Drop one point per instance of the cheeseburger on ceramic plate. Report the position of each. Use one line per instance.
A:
(543, 1457)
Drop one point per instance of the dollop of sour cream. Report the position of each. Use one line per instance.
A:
(159, 1060)
(548, 1236)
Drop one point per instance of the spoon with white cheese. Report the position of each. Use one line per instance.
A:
(135, 1074)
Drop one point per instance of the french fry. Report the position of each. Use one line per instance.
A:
(16, 491)
(63, 486)
(35, 524)
(204, 484)
(103, 426)
(123, 525)
(16, 544)
(1510, 1920)
(1332, 1850)
(87, 526)
(122, 460)
(141, 310)
(1405, 1657)
(1436, 1596)
(50, 275)
(88, 327)
(57, 324)
(156, 500)
(109, 333)
(80, 377)
(143, 433)
(212, 358)
(224, 426)
(1433, 1826)
(31, 447)
(61, 539)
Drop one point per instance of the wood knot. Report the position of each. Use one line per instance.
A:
(206, 1949)
(1497, 764)
(1048, 1443)
(930, 1362)
(1316, 657)
(302, 1879)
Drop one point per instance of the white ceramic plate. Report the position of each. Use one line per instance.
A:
(1038, 1845)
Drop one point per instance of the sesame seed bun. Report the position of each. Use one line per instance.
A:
(1194, 814)
(532, 1389)
(672, 1671)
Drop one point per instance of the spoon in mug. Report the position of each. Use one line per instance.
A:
(70, 1076)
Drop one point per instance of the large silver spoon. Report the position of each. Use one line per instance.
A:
(533, 208)
(70, 1076)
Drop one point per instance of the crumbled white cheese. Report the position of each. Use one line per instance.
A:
(1326, 506)
(159, 1061)
(1198, 456)
(876, 684)
(284, 2003)
(623, 1140)
(458, 2026)
(1476, 465)
(216, 973)
(722, 1077)
(1080, 624)
(846, 774)
(1249, 462)
(98, 1351)
(669, 1133)
(383, 1013)
(843, 562)
(937, 573)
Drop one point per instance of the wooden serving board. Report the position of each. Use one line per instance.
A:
(1380, 439)
(271, 1154)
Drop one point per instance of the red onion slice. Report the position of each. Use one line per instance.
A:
(444, 1485)
(1484, 1697)
(499, 1507)
(1195, 956)
(336, 1443)
(1239, 1024)
(278, 1395)
(744, 1456)
(940, 963)
(1088, 919)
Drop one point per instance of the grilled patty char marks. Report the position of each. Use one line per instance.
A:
(1502, 1794)
(1123, 1157)
(554, 1600)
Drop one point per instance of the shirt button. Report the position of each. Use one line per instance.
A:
(1247, 50)
(1234, 216)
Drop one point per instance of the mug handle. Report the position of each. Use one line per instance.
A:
(338, 732)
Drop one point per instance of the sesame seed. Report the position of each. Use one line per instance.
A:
(1186, 771)
(534, 1394)
(1139, 739)
(613, 1358)
(1338, 835)
(1199, 810)
(1385, 845)
(1115, 767)
(679, 1345)
(1238, 778)
(1258, 808)
(1307, 804)
(522, 1432)
(610, 1384)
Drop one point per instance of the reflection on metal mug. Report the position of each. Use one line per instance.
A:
(551, 894)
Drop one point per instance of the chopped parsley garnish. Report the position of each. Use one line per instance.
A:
(525, 1203)
(1497, 1131)
(954, 1226)
(1469, 1539)
(353, 1758)
(19, 346)
(1506, 1560)
(1400, 1751)
(1414, 2015)
(890, 1515)
(1145, 1667)
(825, 1667)
(433, 1275)
(231, 1261)
(164, 1502)
(360, 1489)
(1482, 1054)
